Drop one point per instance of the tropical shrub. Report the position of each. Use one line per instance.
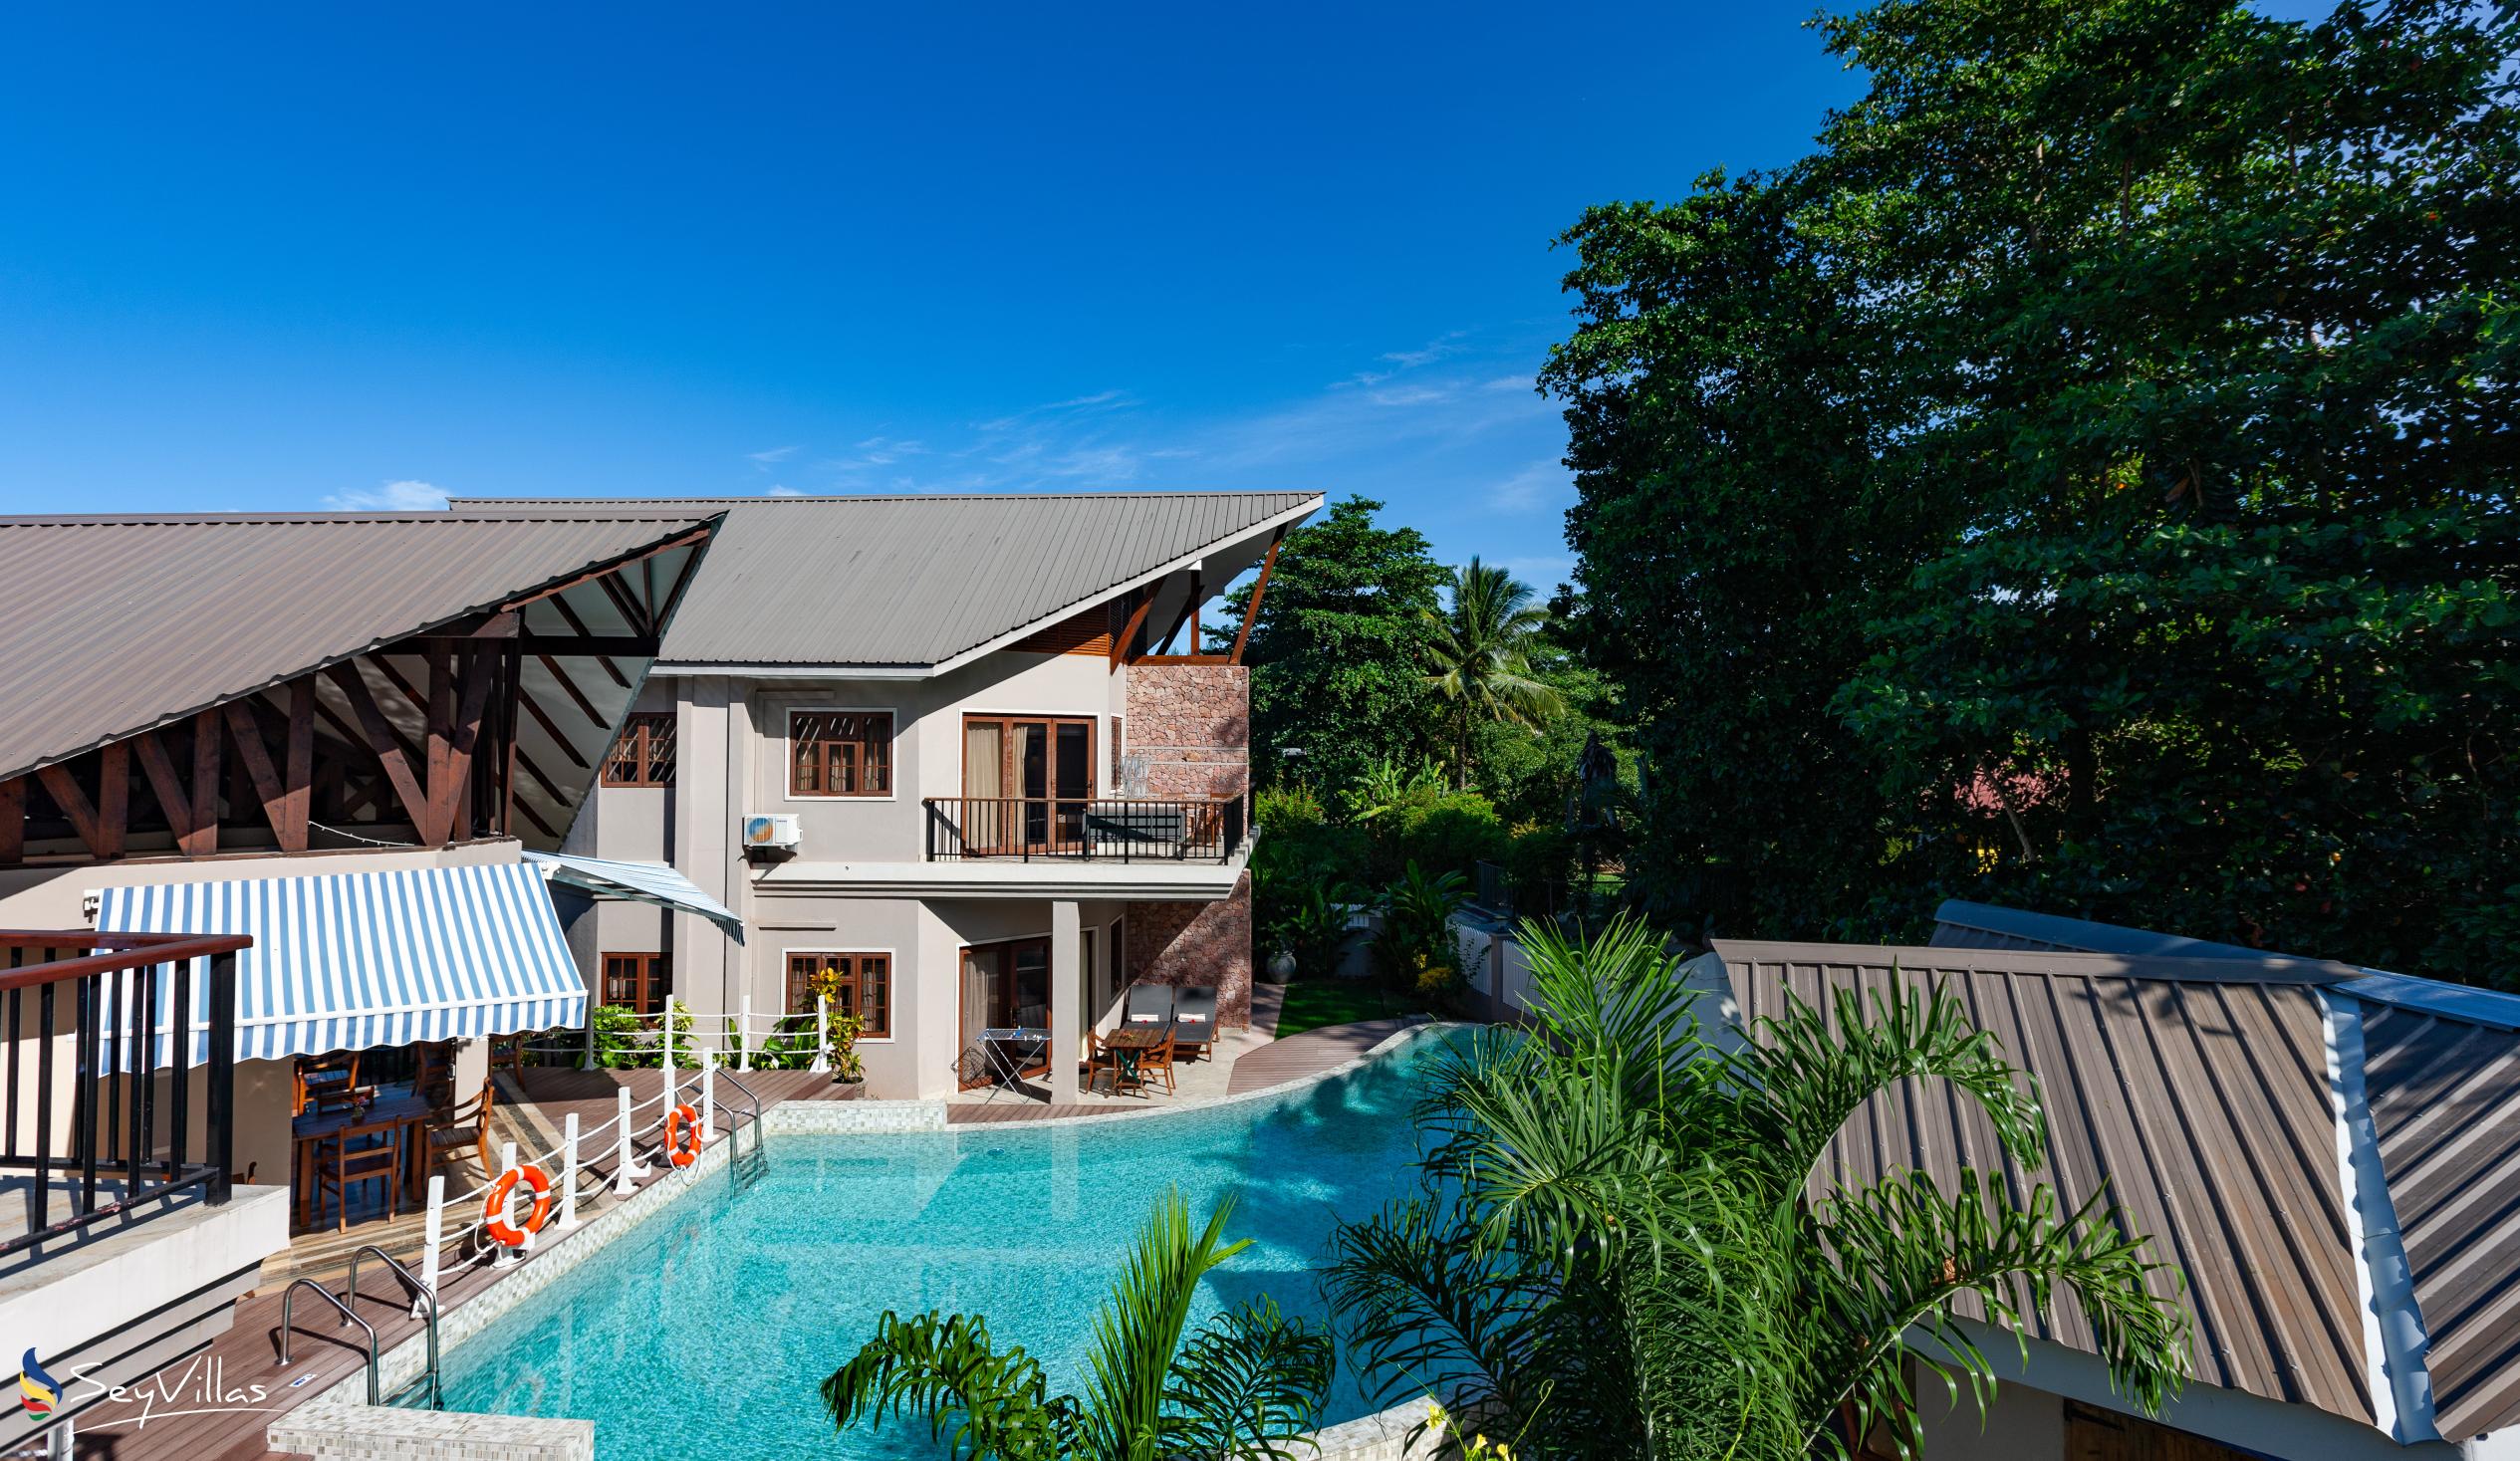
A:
(1246, 1386)
(1416, 932)
(1612, 1254)
(1452, 832)
(1285, 808)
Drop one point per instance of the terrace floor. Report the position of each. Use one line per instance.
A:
(248, 1353)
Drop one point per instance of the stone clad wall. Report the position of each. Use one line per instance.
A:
(1192, 725)
(1197, 943)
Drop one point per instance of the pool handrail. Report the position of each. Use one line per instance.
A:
(436, 1398)
(287, 1303)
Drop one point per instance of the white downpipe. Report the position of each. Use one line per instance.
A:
(708, 1096)
(626, 1169)
(506, 1256)
(743, 1036)
(822, 1034)
(569, 1172)
(431, 1235)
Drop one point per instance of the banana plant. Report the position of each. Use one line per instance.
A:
(1247, 1385)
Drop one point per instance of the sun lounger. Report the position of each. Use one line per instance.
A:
(1194, 1019)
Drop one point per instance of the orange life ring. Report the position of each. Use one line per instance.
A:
(494, 1217)
(682, 1136)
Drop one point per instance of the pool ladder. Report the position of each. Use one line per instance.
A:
(754, 1103)
(349, 1316)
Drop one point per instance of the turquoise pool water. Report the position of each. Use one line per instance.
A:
(705, 1331)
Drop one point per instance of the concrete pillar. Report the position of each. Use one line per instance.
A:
(1067, 1025)
(706, 844)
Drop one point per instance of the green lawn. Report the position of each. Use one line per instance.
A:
(1314, 1003)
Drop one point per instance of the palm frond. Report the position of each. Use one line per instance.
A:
(1248, 1385)
(1425, 1306)
(1136, 1333)
(1902, 1255)
(994, 1405)
(1802, 1079)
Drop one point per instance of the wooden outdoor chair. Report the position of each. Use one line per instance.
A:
(1098, 1057)
(1158, 1063)
(371, 1153)
(507, 1052)
(311, 1075)
(433, 1074)
(465, 1128)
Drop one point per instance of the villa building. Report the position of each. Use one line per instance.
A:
(271, 789)
(958, 758)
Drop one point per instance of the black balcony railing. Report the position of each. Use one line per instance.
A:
(1029, 829)
(105, 1129)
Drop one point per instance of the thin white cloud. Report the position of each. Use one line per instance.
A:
(1543, 483)
(775, 455)
(781, 489)
(1448, 342)
(407, 495)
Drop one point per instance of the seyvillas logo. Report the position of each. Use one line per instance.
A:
(36, 1386)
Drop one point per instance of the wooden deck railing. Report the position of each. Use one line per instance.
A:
(111, 1043)
(1132, 830)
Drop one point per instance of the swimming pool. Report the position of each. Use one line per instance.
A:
(705, 1331)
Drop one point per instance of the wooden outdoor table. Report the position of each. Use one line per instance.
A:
(1130, 1042)
(402, 1108)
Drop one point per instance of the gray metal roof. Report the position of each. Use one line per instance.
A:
(2442, 1073)
(2445, 1104)
(109, 625)
(920, 580)
(2197, 1089)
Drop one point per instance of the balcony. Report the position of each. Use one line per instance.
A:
(124, 1240)
(115, 1036)
(1203, 830)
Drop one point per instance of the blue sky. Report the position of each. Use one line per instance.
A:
(253, 258)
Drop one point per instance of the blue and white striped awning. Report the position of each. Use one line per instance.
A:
(350, 960)
(639, 883)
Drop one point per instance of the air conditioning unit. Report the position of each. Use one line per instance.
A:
(771, 832)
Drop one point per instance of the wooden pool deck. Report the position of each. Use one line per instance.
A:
(326, 1351)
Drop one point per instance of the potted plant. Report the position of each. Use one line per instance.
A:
(846, 1067)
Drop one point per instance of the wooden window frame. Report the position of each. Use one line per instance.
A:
(854, 977)
(889, 740)
(656, 975)
(638, 738)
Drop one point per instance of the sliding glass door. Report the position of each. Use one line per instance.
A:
(1026, 780)
(1005, 986)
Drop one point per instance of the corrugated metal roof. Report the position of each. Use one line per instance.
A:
(2446, 1102)
(109, 625)
(2197, 1089)
(2441, 1072)
(917, 580)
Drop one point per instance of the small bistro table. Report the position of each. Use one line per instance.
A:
(1129, 1042)
(305, 1133)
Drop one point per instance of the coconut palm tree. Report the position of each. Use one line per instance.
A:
(1615, 1252)
(1480, 649)
(1246, 1386)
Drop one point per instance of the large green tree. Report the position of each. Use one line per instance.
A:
(1339, 652)
(2083, 481)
